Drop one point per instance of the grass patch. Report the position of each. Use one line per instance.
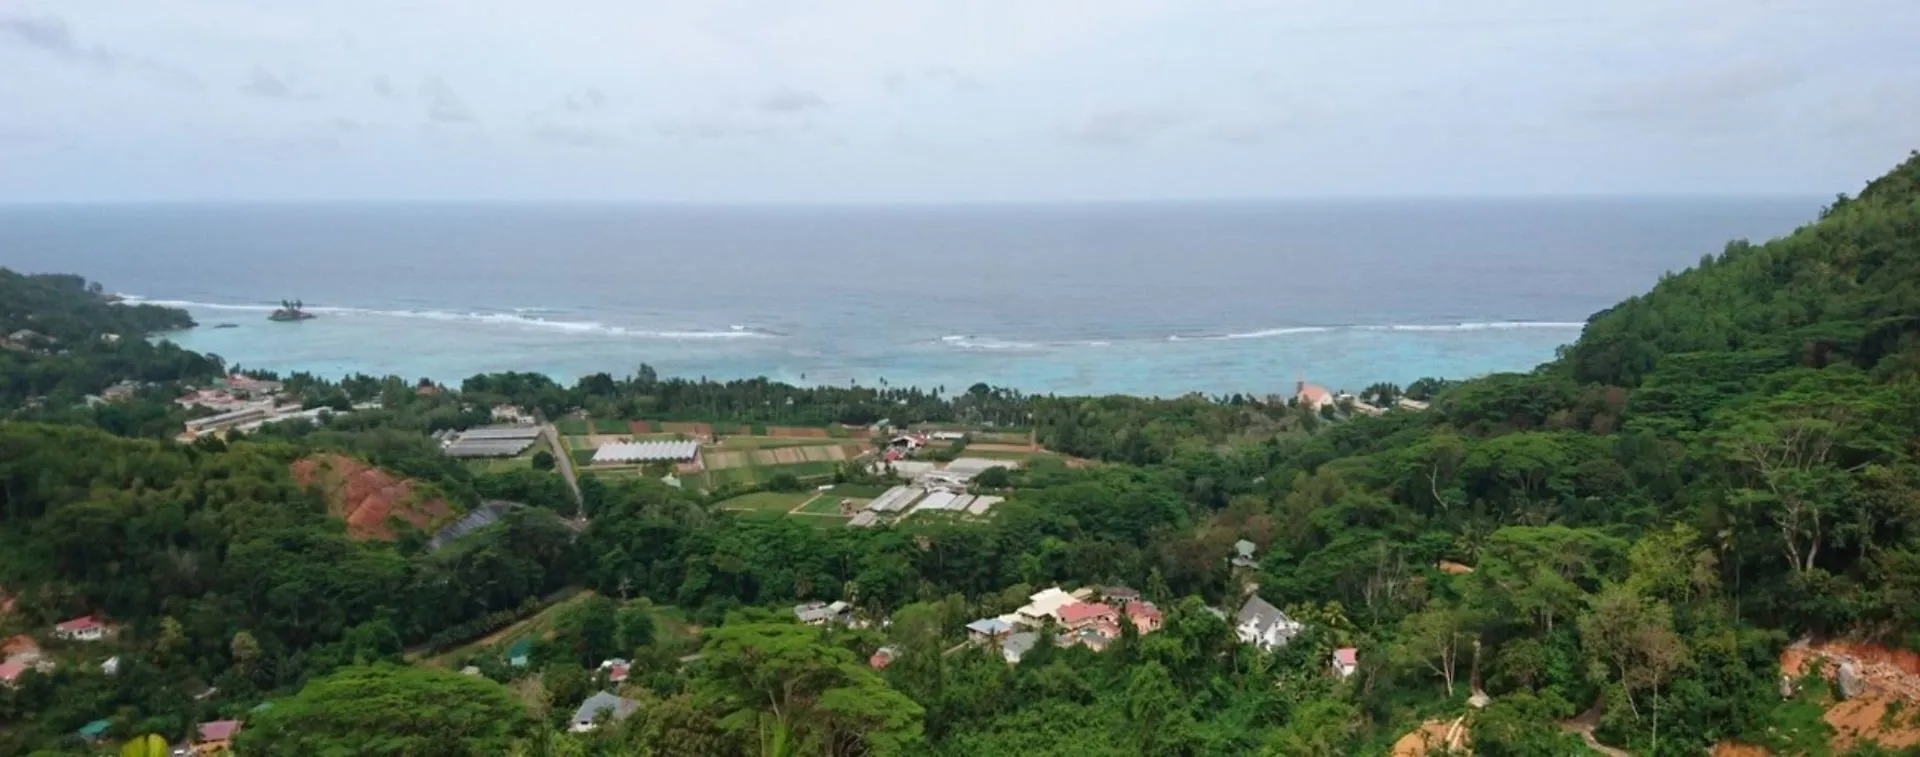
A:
(779, 502)
(858, 491)
(762, 442)
(571, 427)
(812, 469)
(994, 454)
(532, 625)
(609, 426)
(498, 464)
(828, 503)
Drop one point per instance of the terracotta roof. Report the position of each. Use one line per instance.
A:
(10, 670)
(1347, 656)
(219, 730)
(1080, 612)
(78, 624)
(1142, 610)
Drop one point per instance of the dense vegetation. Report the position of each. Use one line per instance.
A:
(1715, 468)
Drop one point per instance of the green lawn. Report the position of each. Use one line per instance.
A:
(571, 426)
(610, 426)
(779, 502)
(992, 454)
(828, 503)
(858, 491)
(529, 626)
(762, 442)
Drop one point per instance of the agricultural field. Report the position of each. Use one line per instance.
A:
(828, 503)
(770, 501)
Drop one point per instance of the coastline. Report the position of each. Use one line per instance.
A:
(448, 344)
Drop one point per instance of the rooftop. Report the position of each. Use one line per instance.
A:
(219, 730)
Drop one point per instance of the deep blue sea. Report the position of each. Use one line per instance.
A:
(1138, 298)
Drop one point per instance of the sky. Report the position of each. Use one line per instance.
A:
(949, 100)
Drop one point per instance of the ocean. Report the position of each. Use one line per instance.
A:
(1151, 299)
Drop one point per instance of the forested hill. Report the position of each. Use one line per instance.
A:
(62, 338)
(1636, 530)
(1844, 289)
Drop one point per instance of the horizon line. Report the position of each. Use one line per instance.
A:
(910, 203)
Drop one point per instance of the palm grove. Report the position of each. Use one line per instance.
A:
(1714, 469)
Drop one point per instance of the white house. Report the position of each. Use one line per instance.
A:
(614, 708)
(1263, 625)
(1043, 605)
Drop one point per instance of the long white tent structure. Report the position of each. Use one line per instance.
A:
(646, 452)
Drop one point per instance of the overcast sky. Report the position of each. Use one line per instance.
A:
(949, 100)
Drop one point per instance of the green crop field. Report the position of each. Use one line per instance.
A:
(571, 426)
(778, 502)
(828, 503)
(858, 491)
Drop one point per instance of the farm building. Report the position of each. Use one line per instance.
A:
(495, 441)
(647, 452)
(894, 500)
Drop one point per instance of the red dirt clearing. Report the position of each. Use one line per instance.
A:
(794, 432)
(1450, 738)
(365, 496)
(639, 427)
(1891, 675)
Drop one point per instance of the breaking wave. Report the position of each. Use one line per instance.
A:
(519, 318)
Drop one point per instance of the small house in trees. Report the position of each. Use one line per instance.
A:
(517, 655)
(1079, 615)
(1146, 618)
(883, 657)
(84, 629)
(1261, 624)
(820, 614)
(601, 707)
(1017, 645)
(94, 732)
(1243, 555)
(986, 630)
(1346, 660)
(215, 737)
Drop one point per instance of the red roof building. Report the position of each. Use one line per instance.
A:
(1346, 660)
(84, 628)
(11, 670)
(882, 658)
(1145, 617)
(1084, 614)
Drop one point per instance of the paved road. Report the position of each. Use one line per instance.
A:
(563, 459)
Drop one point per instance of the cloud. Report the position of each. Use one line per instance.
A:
(1119, 127)
(786, 100)
(589, 99)
(1711, 99)
(932, 77)
(381, 85)
(345, 125)
(443, 104)
(715, 131)
(264, 83)
(50, 34)
(575, 136)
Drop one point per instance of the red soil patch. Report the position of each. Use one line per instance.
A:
(1441, 735)
(1890, 675)
(797, 432)
(1452, 568)
(365, 496)
(639, 427)
(1739, 750)
(18, 645)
